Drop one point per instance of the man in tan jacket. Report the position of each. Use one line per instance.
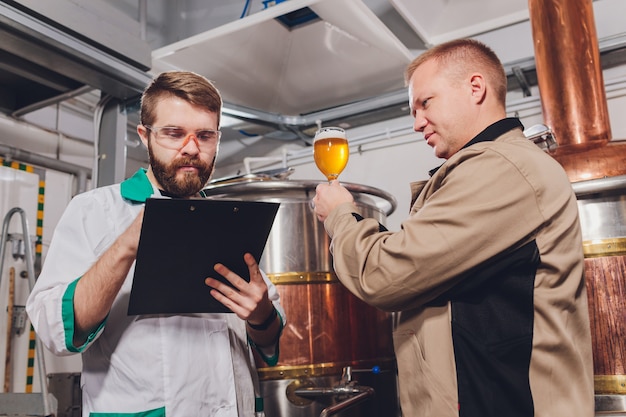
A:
(487, 270)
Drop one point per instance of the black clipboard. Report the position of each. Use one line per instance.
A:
(182, 239)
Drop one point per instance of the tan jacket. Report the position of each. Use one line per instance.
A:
(487, 202)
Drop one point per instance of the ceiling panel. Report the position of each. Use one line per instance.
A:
(437, 21)
(259, 63)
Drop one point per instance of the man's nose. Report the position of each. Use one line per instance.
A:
(419, 122)
(187, 141)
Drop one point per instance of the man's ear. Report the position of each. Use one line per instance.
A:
(143, 133)
(479, 87)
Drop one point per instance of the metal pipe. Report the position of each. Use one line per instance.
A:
(316, 392)
(569, 71)
(583, 188)
(349, 402)
(143, 19)
(81, 173)
(51, 101)
(362, 393)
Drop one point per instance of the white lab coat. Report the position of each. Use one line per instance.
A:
(158, 365)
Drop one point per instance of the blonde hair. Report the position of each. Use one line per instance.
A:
(462, 56)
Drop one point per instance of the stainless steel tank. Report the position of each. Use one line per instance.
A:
(333, 340)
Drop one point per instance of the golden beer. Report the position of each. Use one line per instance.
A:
(331, 151)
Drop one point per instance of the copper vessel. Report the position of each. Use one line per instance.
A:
(328, 328)
(575, 107)
(602, 207)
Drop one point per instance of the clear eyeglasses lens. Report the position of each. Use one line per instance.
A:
(174, 137)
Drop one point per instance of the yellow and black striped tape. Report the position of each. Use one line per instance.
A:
(30, 366)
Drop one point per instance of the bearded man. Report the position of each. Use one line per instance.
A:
(154, 365)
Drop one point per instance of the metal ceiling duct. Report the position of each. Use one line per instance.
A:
(52, 50)
(575, 108)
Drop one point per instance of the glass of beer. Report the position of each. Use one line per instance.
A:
(330, 151)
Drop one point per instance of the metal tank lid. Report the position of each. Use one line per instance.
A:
(267, 187)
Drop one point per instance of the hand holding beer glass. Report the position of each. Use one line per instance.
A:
(330, 151)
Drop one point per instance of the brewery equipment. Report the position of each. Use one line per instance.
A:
(575, 107)
(602, 207)
(335, 351)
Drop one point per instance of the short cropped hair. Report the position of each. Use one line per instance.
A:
(189, 86)
(462, 56)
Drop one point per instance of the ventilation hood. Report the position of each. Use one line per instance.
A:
(55, 49)
(344, 66)
(297, 62)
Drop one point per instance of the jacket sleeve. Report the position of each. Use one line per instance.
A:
(482, 207)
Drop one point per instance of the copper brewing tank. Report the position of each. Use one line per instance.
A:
(574, 105)
(328, 328)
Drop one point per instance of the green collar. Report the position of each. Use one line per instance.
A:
(137, 188)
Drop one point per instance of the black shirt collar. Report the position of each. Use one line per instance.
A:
(166, 194)
(201, 193)
(491, 132)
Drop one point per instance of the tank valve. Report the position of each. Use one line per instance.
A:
(295, 388)
(347, 391)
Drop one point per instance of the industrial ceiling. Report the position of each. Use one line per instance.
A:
(51, 51)
(282, 69)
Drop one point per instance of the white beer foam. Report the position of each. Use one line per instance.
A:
(331, 133)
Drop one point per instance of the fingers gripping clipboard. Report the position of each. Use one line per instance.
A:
(182, 239)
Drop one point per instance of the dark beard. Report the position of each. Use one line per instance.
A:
(191, 183)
